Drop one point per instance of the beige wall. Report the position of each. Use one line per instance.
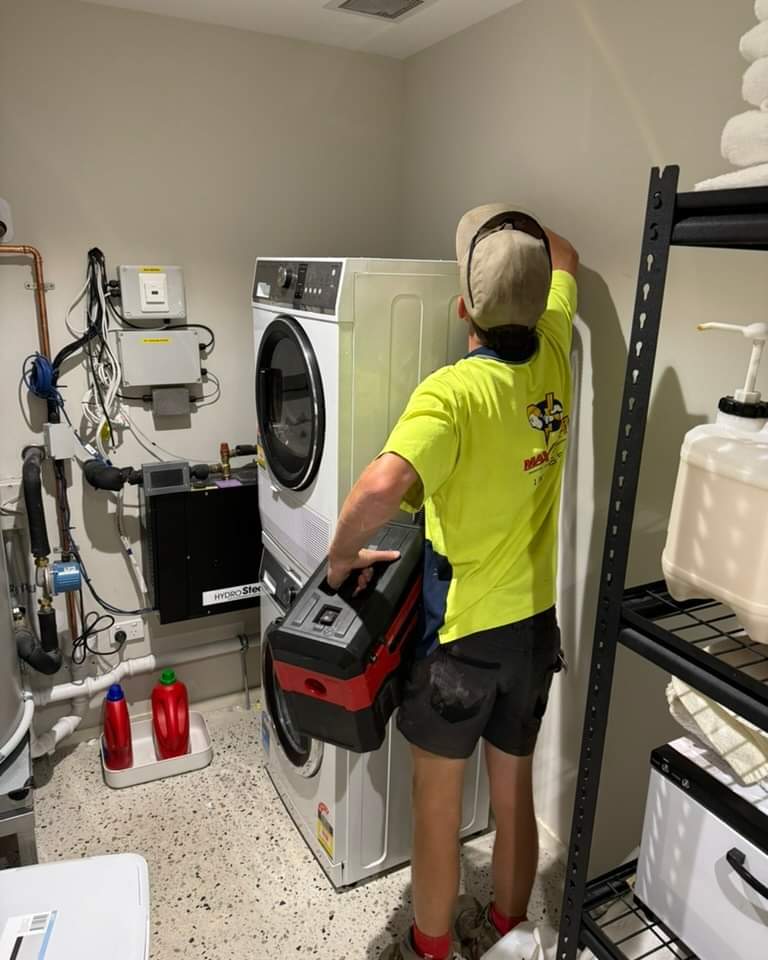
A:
(562, 106)
(163, 141)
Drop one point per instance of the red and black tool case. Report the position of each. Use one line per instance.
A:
(339, 658)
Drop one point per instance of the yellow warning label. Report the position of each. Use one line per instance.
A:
(324, 829)
(156, 340)
(150, 269)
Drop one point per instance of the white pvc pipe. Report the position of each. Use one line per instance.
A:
(131, 668)
(21, 730)
(47, 742)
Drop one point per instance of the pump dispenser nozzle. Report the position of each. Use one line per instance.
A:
(758, 334)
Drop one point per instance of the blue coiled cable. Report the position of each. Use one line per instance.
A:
(40, 378)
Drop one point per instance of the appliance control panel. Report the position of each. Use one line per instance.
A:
(308, 285)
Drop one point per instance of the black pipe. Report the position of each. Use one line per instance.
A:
(32, 651)
(245, 450)
(49, 638)
(103, 477)
(33, 500)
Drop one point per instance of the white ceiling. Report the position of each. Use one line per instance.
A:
(313, 20)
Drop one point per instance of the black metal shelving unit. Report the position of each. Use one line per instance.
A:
(697, 641)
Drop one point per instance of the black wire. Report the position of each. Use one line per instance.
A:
(74, 550)
(96, 257)
(92, 590)
(172, 326)
(144, 397)
(90, 626)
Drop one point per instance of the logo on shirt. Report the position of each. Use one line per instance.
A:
(549, 417)
(531, 463)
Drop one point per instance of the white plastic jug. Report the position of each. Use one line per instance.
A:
(717, 543)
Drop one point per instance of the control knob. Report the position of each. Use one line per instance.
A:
(284, 276)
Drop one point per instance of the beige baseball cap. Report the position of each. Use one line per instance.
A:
(504, 265)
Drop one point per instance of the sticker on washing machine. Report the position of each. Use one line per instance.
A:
(325, 829)
(265, 734)
(243, 591)
(261, 460)
(26, 937)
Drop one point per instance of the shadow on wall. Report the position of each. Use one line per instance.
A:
(599, 361)
(668, 422)
(639, 719)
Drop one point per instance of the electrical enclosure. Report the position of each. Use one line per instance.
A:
(159, 358)
(152, 293)
(202, 548)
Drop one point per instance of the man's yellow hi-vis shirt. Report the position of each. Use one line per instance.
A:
(488, 437)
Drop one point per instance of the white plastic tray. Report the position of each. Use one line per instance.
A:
(147, 767)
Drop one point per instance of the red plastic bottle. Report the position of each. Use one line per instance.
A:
(170, 716)
(118, 745)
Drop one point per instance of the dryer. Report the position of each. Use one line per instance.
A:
(353, 810)
(340, 346)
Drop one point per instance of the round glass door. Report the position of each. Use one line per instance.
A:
(289, 404)
(303, 752)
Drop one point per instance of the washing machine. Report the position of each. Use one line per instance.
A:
(353, 810)
(340, 346)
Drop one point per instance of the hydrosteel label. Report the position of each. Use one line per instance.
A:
(230, 594)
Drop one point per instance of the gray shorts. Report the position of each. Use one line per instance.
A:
(493, 684)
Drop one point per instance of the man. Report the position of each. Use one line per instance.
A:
(481, 447)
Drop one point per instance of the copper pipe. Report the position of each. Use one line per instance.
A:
(44, 341)
(24, 250)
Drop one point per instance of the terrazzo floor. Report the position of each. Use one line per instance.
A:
(231, 878)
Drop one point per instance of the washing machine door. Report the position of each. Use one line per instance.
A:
(279, 586)
(290, 404)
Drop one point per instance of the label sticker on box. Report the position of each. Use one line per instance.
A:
(26, 937)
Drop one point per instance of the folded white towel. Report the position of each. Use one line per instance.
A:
(754, 43)
(748, 177)
(742, 745)
(761, 9)
(754, 87)
(745, 139)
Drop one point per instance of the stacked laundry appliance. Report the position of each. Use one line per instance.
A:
(340, 345)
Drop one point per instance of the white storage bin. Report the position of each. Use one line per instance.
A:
(84, 909)
(698, 824)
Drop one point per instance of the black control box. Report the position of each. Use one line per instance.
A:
(201, 545)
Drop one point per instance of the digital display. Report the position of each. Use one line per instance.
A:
(167, 478)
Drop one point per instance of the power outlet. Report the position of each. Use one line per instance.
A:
(127, 631)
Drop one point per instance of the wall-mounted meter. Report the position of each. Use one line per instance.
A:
(152, 293)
